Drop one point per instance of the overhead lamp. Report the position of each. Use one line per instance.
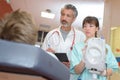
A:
(47, 14)
(113, 28)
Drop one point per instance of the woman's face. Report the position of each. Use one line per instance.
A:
(90, 29)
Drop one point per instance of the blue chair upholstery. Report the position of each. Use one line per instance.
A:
(27, 59)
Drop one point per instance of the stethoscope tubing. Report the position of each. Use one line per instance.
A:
(73, 41)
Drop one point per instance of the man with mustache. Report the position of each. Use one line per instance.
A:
(62, 39)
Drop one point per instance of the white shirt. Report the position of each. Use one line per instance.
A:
(55, 40)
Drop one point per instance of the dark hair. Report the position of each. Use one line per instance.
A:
(72, 7)
(91, 20)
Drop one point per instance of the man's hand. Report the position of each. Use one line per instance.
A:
(51, 50)
(66, 64)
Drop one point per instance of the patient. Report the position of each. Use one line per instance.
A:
(19, 27)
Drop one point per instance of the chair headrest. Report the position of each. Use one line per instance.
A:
(28, 59)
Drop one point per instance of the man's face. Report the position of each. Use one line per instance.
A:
(67, 17)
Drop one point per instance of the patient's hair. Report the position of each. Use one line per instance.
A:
(19, 26)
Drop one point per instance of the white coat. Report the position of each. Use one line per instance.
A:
(55, 40)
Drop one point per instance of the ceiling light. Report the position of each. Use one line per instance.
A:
(113, 28)
(47, 14)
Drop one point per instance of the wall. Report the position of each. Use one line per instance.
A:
(115, 40)
(4, 8)
(111, 17)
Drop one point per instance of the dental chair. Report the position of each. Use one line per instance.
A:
(26, 62)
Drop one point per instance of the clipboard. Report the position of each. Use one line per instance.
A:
(62, 57)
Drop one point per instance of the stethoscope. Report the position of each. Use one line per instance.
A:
(58, 33)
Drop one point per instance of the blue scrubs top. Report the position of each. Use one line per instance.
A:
(76, 56)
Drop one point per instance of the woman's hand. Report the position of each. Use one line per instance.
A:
(107, 72)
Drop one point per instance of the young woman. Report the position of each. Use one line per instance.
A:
(77, 67)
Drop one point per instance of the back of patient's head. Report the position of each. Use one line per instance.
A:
(19, 27)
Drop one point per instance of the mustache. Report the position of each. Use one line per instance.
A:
(64, 21)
